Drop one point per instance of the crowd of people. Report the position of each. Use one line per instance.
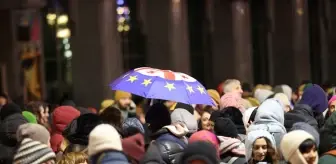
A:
(265, 124)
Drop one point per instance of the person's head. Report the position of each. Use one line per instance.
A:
(74, 158)
(260, 147)
(200, 152)
(169, 103)
(36, 152)
(112, 116)
(332, 105)
(3, 99)
(314, 96)
(308, 150)
(157, 117)
(299, 146)
(215, 98)
(35, 132)
(232, 85)
(281, 97)
(40, 110)
(123, 99)
(204, 122)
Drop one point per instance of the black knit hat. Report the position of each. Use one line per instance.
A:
(201, 150)
(33, 152)
(187, 107)
(9, 109)
(157, 117)
(225, 127)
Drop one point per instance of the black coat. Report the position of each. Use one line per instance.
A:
(301, 113)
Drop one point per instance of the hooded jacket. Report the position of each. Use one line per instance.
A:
(270, 117)
(62, 117)
(309, 109)
(252, 137)
(290, 146)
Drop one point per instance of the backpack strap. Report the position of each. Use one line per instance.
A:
(331, 152)
(232, 160)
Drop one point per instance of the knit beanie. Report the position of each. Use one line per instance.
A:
(157, 117)
(33, 152)
(332, 99)
(232, 99)
(103, 137)
(315, 97)
(290, 144)
(205, 135)
(121, 94)
(225, 127)
(183, 116)
(262, 94)
(309, 129)
(30, 117)
(203, 151)
(33, 131)
(214, 95)
(134, 146)
(282, 98)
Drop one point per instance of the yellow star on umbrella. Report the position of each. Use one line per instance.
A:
(190, 89)
(170, 86)
(132, 78)
(146, 82)
(201, 89)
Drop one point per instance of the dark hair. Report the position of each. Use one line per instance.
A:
(307, 145)
(200, 120)
(34, 107)
(112, 116)
(272, 154)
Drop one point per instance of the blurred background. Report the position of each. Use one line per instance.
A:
(58, 49)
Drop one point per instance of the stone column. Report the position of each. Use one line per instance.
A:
(167, 35)
(97, 59)
(301, 41)
(242, 40)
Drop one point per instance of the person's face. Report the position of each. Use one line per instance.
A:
(237, 88)
(259, 149)
(332, 107)
(125, 102)
(310, 156)
(205, 121)
(3, 101)
(211, 125)
(169, 104)
(43, 115)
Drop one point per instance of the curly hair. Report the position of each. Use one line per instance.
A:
(34, 107)
(272, 155)
(73, 158)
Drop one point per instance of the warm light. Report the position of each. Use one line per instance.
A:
(51, 22)
(67, 46)
(126, 28)
(68, 54)
(51, 16)
(121, 19)
(120, 28)
(120, 10)
(63, 33)
(63, 19)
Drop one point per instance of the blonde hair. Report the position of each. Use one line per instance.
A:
(228, 85)
(73, 158)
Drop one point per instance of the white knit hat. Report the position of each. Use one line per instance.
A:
(104, 137)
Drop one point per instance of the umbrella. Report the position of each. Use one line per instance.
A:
(163, 84)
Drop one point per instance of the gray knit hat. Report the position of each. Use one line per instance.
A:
(33, 152)
(35, 132)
